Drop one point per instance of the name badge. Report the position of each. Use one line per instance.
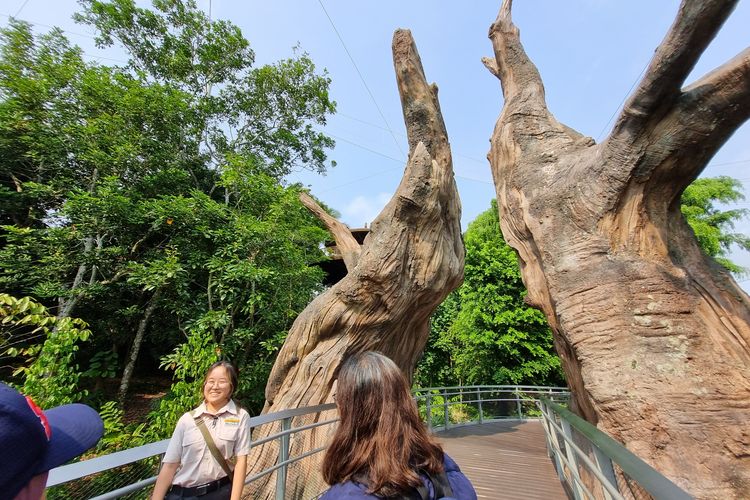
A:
(232, 421)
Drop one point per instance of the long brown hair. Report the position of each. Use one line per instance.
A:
(380, 441)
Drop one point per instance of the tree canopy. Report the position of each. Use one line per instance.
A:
(145, 216)
(149, 201)
(712, 226)
(484, 333)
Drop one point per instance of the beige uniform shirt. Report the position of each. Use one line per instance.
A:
(230, 431)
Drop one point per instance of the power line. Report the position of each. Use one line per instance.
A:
(51, 27)
(20, 8)
(627, 94)
(106, 58)
(484, 162)
(360, 146)
(365, 122)
(354, 181)
(381, 172)
(372, 97)
(472, 179)
(86, 54)
(728, 163)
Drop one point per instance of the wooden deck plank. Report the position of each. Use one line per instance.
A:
(505, 460)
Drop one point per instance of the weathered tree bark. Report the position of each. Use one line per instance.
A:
(654, 336)
(411, 259)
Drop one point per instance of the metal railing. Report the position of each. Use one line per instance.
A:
(583, 455)
(464, 405)
(593, 465)
(79, 480)
(130, 472)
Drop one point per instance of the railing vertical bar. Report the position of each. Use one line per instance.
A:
(428, 408)
(479, 402)
(572, 459)
(518, 403)
(286, 424)
(579, 490)
(446, 416)
(605, 466)
(552, 438)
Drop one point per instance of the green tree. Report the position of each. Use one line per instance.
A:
(149, 200)
(712, 226)
(37, 80)
(262, 117)
(50, 373)
(485, 333)
(437, 367)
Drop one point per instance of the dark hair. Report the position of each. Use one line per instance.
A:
(231, 372)
(380, 440)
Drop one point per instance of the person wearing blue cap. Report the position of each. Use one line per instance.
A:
(34, 441)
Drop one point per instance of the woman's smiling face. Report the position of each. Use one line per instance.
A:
(218, 387)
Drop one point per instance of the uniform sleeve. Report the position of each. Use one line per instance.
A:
(242, 444)
(173, 454)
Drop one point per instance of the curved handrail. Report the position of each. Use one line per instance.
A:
(531, 388)
(606, 451)
(454, 395)
(78, 470)
(450, 396)
(70, 472)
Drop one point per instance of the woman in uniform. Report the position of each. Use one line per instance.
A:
(190, 468)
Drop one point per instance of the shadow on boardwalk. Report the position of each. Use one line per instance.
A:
(505, 460)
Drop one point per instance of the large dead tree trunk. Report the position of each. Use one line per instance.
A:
(411, 259)
(654, 336)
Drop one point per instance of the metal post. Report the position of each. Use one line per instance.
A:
(547, 417)
(547, 429)
(286, 424)
(428, 408)
(572, 460)
(445, 408)
(479, 402)
(518, 404)
(604, 463)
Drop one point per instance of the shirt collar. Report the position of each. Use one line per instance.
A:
(230, 407)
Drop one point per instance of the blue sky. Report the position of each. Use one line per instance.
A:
(590, 54)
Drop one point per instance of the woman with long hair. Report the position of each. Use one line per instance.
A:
(207, 455)
(381, 448)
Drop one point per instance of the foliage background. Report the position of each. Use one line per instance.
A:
(146, 212)
(148, 201)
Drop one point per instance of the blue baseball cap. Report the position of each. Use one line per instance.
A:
(34, 441)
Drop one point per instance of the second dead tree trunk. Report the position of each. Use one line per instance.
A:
(411, 259)
(654, 336)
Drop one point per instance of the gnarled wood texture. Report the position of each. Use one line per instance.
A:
(654, 337)
(411, 259)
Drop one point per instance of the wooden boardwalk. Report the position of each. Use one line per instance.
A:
(505, 460)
